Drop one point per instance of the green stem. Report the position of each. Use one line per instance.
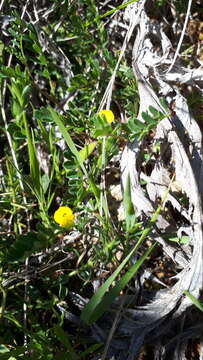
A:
(3, 302)
(120, 7)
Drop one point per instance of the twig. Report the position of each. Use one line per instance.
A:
(182, 36)
(113, 329)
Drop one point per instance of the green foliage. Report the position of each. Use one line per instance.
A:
(26, 245)
(194, 300)
(183, 240)
(120, 7)
(150, 120)
(103, 298)
(128, 206)
(100, 302)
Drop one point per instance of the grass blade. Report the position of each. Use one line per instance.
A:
(34, 164)
(88, 312)
(128, 206)
(74, 151)
(120, 7)
(62, 336)
(195, 301)
(115, 291)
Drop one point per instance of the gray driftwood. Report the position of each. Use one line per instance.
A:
(181, 153)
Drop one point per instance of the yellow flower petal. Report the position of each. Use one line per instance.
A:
(108, 114)
(64, 216)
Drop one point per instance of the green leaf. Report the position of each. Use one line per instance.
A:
(8, 71)
(23, 246)
(45, 182)
(87, 150)
(164, 104)
(16, 110)
(135, 125)
(154, 111)
(195, 301)
(74, 150)
(128, 206)
(183, 240)
(120, 7)
(92, 349)
(67, 138)
(33, 160)
(147, 117)
(26, 90)
(63, 337)
(88, 312)
(91, 310)
(115, 291)
(43, 114)
(3, 349)
(44, 132)
(32, 35)
(16, 92)
(42, 60)
(102, 132)
(37, 48)
(13, 354)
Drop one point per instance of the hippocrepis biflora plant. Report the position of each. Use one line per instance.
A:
(33, 69)
(31, 83)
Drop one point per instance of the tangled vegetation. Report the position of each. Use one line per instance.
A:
(75, 248)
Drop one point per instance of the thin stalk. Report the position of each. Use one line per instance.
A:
(3, 302)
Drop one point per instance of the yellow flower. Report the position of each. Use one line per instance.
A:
(64, 216)
(108, 114)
